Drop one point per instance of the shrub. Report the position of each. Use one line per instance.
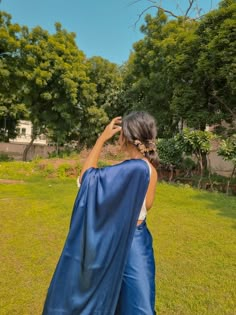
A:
(62, 153)
(63, 169)
(5, 157)
(188, 166)
(170, 154)
(47, 170)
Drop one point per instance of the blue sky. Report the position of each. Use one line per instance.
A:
(104, 27)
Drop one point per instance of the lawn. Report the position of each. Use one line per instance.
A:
(193, 232)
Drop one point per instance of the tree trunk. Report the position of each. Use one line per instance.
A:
(204, 161)
(201, 171)
(171, 173)
(228, 183)
(27, 148)
(209, 174)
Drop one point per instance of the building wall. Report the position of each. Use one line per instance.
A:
(218, 165)
(24, 129)
(16, 150)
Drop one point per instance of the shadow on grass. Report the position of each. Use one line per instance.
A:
(225, 205)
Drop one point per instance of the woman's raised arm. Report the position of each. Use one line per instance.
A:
(92, 160)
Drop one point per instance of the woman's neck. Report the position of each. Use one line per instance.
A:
(135, 154)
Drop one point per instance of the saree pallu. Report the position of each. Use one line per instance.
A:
(88, 277)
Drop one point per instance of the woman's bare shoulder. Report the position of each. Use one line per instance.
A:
(153, 170)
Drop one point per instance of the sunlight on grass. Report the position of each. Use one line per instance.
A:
(194, 242)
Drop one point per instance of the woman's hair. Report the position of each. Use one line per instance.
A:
(139, 129)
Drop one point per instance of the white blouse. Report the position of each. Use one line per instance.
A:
(143, 212)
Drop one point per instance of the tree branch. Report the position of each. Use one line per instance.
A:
(133, 2)
(226, 106)
(154, 6)
(167, 11)
(141, 14)
(159, 7)
(191, 2)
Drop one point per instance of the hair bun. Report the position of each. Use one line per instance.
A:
(143, 148)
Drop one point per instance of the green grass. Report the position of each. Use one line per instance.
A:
(195, 247)
(193, 233)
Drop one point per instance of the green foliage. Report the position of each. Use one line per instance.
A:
(5, 157)
(170, 154)
(47, 170)
(188, 165)
(106, 76)
(216, 61)
(183, 71)
(219, 179)
(11, 106)
(62, 170)
(17, 170)
(57, 87)
(48, 80)
(160, 67)
(93, 124)
(40, 168)
(109, 100)
(63, 153)
(227, 149)
(194, 142)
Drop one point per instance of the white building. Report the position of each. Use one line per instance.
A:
(24, 132)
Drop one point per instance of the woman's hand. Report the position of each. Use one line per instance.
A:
(109, 132)
(111, 129)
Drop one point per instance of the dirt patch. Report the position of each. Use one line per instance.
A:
(11, 181)
(56, 162)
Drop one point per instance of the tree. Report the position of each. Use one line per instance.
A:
(183, 70)
(109, 98)
(195, 142)
(204, 89)
(154, 66)
(93, 123)
(57, 87)
(108, 79)
(216, 62)
(50, 80)
(170, 154)
(11, 107)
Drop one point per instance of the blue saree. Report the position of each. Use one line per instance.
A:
(88, 279)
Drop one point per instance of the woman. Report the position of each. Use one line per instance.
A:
(107, 264)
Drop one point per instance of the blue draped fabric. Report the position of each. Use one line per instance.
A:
(89, 274)
(137, 294)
